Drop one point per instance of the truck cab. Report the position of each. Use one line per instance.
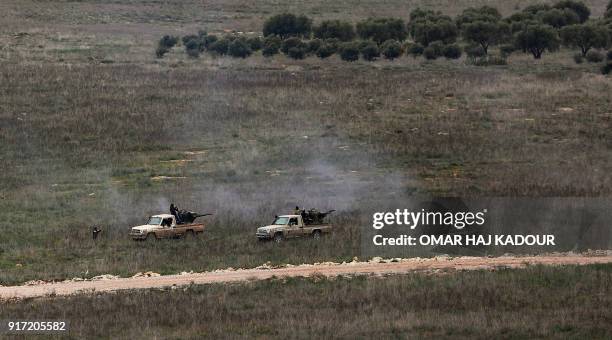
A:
(291, 226)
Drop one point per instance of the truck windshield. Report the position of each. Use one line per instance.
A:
(281, 221)
(154, 221)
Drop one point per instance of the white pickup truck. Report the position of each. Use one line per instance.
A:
(165, 226)
(290, 226)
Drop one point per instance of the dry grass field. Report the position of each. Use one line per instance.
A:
(95, 130)
(537, 302)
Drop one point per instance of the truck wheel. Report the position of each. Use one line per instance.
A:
(190, 235)
(316, 235)
(278, 237)
(150, 237)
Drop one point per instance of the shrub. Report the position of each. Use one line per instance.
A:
(609, 54)
(578, 58)
(239, 48)
(430, 53)
(187, 38)
(391, 49)
(164, 45)
(168, 41)
(255, 43)
(326, 50)
(349, 51)
(192, 48)
(287, 25)
(314, 45)
(271, 45)
(290, 43)
(297, 52)
(452, 51)
(594, 56)
(220, 46)
(208, 40)
(416, 49)
(370, 51)
(336, 29)
(607, 68)
(382, 29)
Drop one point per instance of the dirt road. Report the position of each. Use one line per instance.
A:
(374, 267)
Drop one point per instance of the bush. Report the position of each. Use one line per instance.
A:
(290, 43)
(314, 45)
(326, 50)
(382, 29)
(255, 43)
(336, 29)
(607, 68)
(220, 46)
(349, 51)
(239, 48)
(430, 53)
(578, 58)
(192, 48)
(333, 43)
(452, 51)
(369, 51)
(208, 40)
(609, 54)
(271, 46)
(167, 41)
(416, 49)
(297, 52)
(594, 56)
(391, 49)
(287, 25)
(164, 45)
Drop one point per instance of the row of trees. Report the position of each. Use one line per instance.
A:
(536, 29)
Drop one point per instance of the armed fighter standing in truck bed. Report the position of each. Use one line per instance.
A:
(302, 223)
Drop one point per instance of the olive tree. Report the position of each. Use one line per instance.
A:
(428, 26)
(239, 48)
(382, 29)
(585, 37)
(287, 25)
(486, 33)
(337, 29)
(537, 38)
(577, 7)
